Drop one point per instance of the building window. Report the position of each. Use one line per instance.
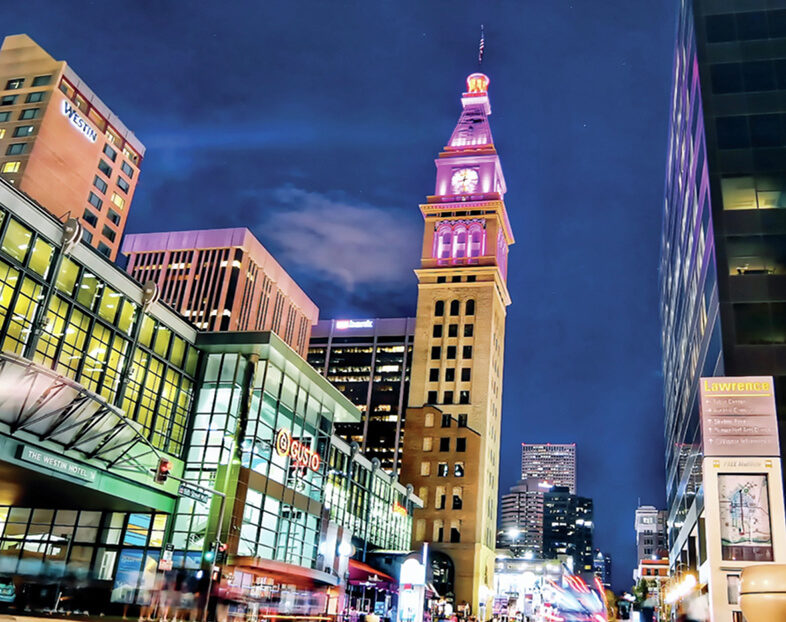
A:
(461, 444)
(16, 83)
(90, 218)
(123, 185)
(462, 420)
(5, 116)
(118, 200)
(428, 443)
(448, 397)
(425, 469)
(467, 352)
(420, 526)
(439, 498)
(95, 201)
(470, 307)
(469, 329)
(458, 469)
(437, 331)
(109, 233)
(439, 308)
(114, 217)
(455, 306)
(105, 168)
(446, 420)
(471, 278)
(436, 353)
(23, 131)
(34, 98)
(433, 374)
(126, 168)
(444, 444)
(29, 113)
(16, 149)
(456, 279)
(451, 352)
(455, 532)
(453, 330)
(429, 420)
(8, 100)
(100, 184)
(441, 279)
(432, 397)
(2, 133)
(439, 531)
(42, 80)
(458, 498)
(11, 167)
(442, 469)
(87, 236)
(466, 374)
(110, 153)
(450, 374)
(127, 152)
(463, 397)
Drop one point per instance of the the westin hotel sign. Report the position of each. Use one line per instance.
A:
(738, 416)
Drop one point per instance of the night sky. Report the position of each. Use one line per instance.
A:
(315, 124)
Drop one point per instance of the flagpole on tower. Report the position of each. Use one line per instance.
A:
(482, 45)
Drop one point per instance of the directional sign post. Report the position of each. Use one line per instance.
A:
(193, 493)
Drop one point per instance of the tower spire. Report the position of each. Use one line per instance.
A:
(482, 45)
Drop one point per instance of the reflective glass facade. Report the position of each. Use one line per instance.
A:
(722, 289)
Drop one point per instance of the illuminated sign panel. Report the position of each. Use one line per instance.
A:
(78, 122)
(345, 324)
(300, 454)
(738, 416)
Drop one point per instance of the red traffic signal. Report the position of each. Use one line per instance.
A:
(163, 470)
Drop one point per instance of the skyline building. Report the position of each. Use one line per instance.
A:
(552, 462)
(61, 145)
(451, 441)
(602, 565)
(369, 361)
(223, 280)
(651, 533)
(521, 518)
(568, 526)
(723, 267)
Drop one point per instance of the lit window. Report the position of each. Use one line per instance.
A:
(123, 184)
(23, 131)
(33, 98)
(11, 167)
(42, 80)
(458, 469)
(16, 149)
(442, 469)
(110, 136)
(130, 154)
(29, 113)
(118, 200)
(16, 83)
(425, 469)
(2, 133)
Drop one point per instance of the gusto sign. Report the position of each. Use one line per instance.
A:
(297, 451)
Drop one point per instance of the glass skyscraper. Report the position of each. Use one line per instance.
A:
(723, 249)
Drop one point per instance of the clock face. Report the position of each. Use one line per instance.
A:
(464, 180)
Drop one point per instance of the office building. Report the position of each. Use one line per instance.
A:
(61, 145)
(651, 535)
(451, 442)
(722, 273)
(568, 528)
(521, 518)
(369, 361)
(223, 279)
(100, 383)
(551, 462)
(602, 565)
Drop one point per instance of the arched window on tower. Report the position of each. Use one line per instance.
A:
(470, 307)
(455, 307)
(476, 241)
(439, 308)
(460, 243)
(443, 243)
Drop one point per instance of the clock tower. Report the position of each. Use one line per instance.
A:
(451, 440)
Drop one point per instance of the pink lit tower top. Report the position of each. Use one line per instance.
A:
(458, 354)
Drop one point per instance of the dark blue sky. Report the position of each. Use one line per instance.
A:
(315, 124)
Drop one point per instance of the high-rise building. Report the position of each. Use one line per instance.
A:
(723, 267)
(552, 462)
(223, 279)
(651, 537)
(60, 144)
(521, 518)
(602, 564)
(369, 361)
(568, 527)
(451, 442)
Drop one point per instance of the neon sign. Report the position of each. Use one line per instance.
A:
(345, 324)
(78, 122)
(301, 454)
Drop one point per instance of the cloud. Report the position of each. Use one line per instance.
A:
(349, 243)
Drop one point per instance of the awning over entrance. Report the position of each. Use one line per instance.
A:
(283, 572)
(39, 404)
(363, 574)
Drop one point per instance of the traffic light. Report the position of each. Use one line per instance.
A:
(221, 555)
(209, 555)
(163, 470)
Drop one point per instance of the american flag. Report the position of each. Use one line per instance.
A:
(482, 45)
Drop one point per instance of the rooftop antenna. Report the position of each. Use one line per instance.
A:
(482, 45)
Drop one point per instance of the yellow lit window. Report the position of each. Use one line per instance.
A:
(11, 167)
(2, 133)
(118, 200)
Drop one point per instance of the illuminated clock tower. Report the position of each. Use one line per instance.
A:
(451, 440)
